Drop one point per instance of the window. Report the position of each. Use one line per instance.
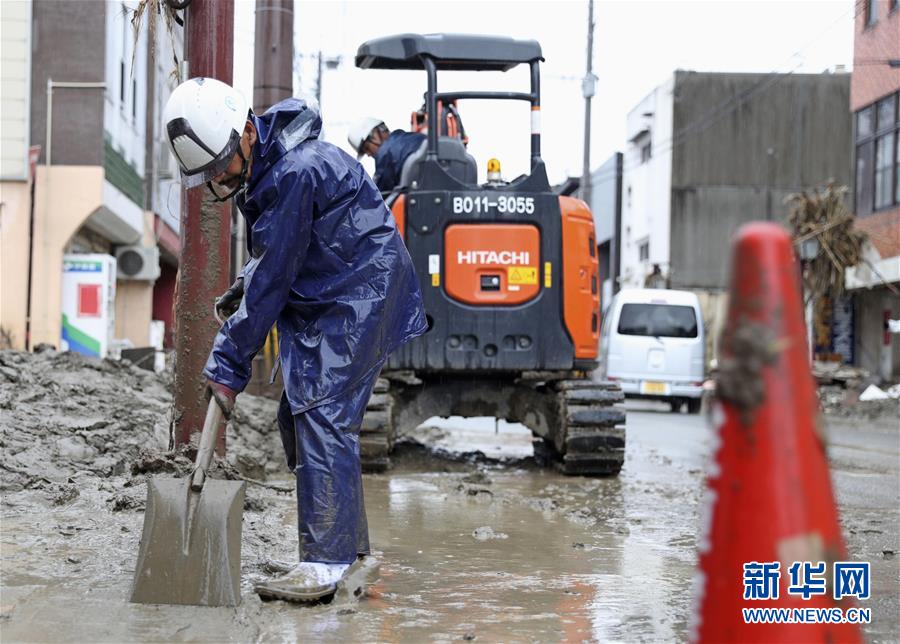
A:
(656, 320)
(864, 177)
(646, 152)
(886, 111)
(897, 168)
(644, 251)
(865, 124)
(893, 4)
(884, 174)
(124, 14)
(871, 9)
(877, 156)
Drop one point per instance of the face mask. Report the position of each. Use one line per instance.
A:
(224, 193)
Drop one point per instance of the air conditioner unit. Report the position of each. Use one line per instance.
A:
(137, 263)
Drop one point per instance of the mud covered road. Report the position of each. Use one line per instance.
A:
(471, 549)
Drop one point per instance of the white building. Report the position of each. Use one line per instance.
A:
(646, 187)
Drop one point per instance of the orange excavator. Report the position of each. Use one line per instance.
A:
(509, 276)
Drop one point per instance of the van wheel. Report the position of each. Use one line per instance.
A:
(675, 405)
(694, 405)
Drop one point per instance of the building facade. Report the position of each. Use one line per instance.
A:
(708, 152)
(95, 185)
(875, 105)
(606, 205)
(646, 186)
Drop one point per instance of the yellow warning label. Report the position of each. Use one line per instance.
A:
(435, 279)
(548, 272)
(526, 275)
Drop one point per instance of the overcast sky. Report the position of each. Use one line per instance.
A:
(637, 45)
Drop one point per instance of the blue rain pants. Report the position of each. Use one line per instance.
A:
(322, 449)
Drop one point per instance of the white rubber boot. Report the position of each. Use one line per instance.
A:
(307, 581)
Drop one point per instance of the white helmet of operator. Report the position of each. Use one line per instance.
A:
(360, 131)
(204, 120)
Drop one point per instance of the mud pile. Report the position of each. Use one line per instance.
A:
(80, 437)
(839, 402)
(64, 415)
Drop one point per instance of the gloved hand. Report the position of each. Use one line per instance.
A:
(229, 301)
(225, 396)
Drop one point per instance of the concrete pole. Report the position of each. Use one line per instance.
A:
(587, 89)
(319, 79)
(273, 61)
(205, 231)
(616, 246)
(273, 81)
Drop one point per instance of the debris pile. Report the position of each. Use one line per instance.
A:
(845, 391)
(64, 415)
(871, 404)
(835, 373)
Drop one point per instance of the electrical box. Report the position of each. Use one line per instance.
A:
(88, 303)
(138, 263)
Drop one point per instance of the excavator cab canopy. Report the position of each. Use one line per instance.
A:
(461, 52)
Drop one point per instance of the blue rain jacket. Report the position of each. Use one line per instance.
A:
(390, 157)
(326, 264)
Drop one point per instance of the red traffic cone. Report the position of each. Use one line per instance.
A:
(770, 492)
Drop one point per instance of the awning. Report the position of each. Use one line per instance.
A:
(872, 274)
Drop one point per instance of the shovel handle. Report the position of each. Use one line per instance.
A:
(207, 444)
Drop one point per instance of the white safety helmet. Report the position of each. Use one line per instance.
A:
(204, 121)
(360, 131)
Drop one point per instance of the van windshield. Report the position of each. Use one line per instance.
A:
(666, 320)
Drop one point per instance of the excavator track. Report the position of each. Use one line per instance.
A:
(582, 427)
(589, 436)
(376, 436)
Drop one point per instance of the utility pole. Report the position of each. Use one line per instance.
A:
(273, 81)
(587, 90)
(205, 231)
(319, 79)
(273, 60)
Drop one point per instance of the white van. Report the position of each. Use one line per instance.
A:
(652, 344)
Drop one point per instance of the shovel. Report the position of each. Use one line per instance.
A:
(191, 545)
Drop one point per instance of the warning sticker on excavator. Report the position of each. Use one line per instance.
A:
(526, 275)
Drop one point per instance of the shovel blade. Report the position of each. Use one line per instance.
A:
(190, 549)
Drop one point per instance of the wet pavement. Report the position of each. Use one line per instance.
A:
(471, 550)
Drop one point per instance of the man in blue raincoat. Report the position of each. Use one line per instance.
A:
(328, 267)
